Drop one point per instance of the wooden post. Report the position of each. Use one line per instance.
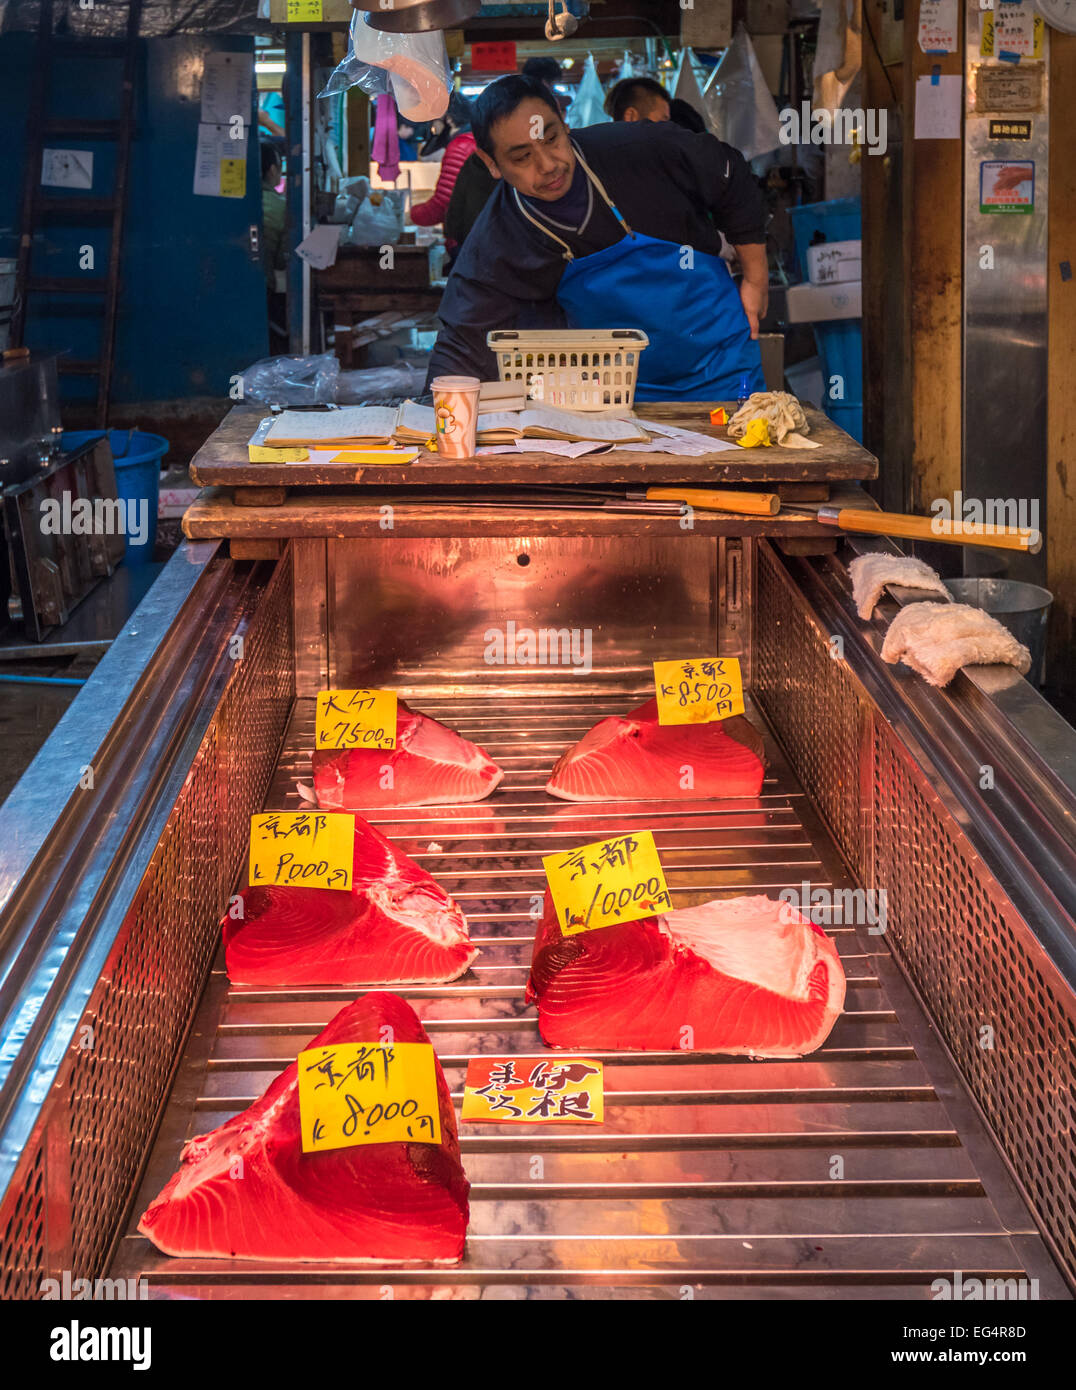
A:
(886, 417)
(933, 216)
(1061, 379)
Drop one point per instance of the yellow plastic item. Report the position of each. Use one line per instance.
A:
(375, 456)
(757, 432)
(262, 453)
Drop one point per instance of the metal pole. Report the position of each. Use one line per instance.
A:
(307, 198)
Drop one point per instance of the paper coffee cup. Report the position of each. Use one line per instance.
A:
(455, 408)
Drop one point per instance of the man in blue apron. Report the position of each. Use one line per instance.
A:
(613, 226)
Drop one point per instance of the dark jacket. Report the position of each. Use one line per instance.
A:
(470, 194)
(668, 183)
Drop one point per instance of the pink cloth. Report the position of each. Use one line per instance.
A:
(386, 150)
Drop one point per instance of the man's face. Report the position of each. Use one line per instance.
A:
(532, 152)
(657, 109)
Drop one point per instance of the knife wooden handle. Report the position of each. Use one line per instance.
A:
(719, 499)
(928, 528)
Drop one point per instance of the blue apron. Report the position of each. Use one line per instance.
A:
(701, 347)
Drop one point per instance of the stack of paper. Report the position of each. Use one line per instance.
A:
(684, 443)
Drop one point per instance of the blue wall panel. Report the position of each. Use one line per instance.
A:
(192, 303)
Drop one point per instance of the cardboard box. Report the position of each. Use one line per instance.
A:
(817, 303)
(834, 262)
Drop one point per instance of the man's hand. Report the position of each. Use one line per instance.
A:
(754, 303)
(755, 285)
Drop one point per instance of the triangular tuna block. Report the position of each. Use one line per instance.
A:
(396, 924)
(741, 975)
(431, 765)
(249, 1192)
(632, 757)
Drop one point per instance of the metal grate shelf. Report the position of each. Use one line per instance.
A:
(711, 1174)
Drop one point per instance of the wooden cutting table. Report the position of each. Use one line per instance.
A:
(258, 506)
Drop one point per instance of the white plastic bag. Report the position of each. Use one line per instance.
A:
(685, 85)
(588, 104)
(379, 220)
(413, 67)
(739, 107)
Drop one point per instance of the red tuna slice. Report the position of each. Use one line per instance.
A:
(248, 1192)
(431, 766)
(633, 757)
(396, 924)
(746, 975)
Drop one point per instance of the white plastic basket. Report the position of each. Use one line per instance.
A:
(576, 369)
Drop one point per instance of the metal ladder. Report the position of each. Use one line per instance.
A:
(37, 208)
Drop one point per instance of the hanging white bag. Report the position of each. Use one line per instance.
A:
(739, 106)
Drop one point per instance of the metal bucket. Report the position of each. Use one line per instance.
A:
(1022, 608)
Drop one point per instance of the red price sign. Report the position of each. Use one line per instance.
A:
(493, 57)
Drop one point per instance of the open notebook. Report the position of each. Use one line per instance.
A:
(351, 424)
(416, 422)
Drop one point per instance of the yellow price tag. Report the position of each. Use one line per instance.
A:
(355, 719)
(610, 881)
(368, 1093)
(302, 849)
(303, 12)
(698, 691)
(529, 1091)
(233, 178)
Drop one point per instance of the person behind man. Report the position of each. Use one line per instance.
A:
(637, 99)
(684, 114)
(459, 148)
(547, 71)
(617, 227)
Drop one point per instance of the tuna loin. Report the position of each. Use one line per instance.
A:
(431, 765)
(248, 1192)
(632, 757)
(395, 924)
(744, 975)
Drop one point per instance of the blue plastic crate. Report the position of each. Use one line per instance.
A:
(839, 219)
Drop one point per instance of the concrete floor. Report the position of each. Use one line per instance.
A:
(29, 713)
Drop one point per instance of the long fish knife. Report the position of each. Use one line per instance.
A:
(714, 499)
(906, 526)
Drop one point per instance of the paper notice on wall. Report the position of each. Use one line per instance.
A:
(227, 85)
(1014, 30)
(938, 102)
(220, 164)
(67, 168)
(938, 20)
